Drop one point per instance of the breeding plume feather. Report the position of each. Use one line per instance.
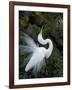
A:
(36, 54)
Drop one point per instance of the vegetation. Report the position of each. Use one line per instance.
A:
(52, 24)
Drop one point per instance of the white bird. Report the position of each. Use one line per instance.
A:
(37, 54)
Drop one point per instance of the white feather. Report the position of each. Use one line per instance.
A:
(36, 58)
(30, 44)
(38, 53)
(26, 38)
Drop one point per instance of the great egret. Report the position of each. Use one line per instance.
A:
(37, 54)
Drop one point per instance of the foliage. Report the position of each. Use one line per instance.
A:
(52, 24)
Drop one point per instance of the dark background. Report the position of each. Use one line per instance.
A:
(52, 24)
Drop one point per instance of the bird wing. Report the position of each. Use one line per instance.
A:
(36, 58)
(30, 44)
(25, 49)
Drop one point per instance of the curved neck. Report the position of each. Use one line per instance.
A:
(50, 49)
(44, 42)
(50, 43)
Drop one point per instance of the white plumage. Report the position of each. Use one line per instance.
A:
(38, 54)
